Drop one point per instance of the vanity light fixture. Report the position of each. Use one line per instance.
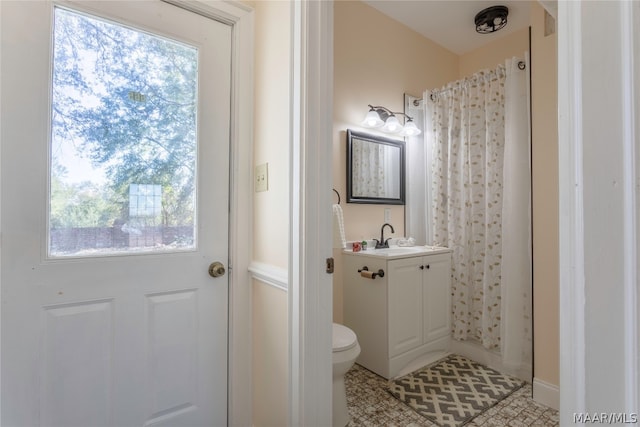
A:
(379, 116)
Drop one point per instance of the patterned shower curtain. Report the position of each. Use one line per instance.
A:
(478, 203)
(468, 131)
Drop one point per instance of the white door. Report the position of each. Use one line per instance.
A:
(114, 204)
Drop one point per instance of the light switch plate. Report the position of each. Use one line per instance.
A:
(261, 177)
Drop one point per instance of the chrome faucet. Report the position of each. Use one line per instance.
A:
(383, 243)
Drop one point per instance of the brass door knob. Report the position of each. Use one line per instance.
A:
(216, 269)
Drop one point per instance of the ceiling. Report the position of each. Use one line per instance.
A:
(450, 23)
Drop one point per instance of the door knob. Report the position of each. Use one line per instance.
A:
(216, 269)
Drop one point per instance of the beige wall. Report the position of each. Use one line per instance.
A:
(495, 53)
(376, 61)
(271, 210)
(271, 131)
(544, 65)
(270, 356)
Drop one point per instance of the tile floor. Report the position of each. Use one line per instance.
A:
(371, 405)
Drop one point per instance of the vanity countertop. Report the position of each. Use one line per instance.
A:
(394, 252)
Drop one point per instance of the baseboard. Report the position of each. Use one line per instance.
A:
(546, 394)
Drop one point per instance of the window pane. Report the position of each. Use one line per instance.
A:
(123, 140)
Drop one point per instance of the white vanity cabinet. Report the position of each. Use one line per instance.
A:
(403, 315)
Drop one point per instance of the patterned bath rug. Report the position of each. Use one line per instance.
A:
(453, 390)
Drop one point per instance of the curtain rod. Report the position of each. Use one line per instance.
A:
(416, 102)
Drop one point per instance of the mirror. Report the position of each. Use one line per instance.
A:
(375, 169)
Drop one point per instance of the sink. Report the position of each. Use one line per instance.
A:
(402, 251)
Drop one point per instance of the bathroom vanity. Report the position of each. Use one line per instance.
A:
(401, 312)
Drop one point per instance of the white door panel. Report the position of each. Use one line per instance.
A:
(117, 340)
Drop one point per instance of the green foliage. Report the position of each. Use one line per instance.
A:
(125, 100)
(81, 205)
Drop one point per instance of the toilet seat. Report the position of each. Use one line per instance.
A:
(343, 338)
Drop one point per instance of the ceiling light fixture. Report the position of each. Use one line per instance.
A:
(382, 117)
(491, 19)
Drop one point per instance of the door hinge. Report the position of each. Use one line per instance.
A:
(329, 265)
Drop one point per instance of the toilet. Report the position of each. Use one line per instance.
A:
(345, 351)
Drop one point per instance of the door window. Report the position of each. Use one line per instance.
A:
(123, 140)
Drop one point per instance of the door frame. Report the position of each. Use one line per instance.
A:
(241, 18)
(599, 158)
(310, 287)
(310, 171)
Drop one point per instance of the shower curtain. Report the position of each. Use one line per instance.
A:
(480, 202)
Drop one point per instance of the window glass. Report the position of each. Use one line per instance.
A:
(123, 140)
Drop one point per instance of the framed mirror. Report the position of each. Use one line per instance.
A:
(375, 169)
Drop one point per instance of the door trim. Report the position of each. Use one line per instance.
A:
(598, 163)
(310, 287)
(241, 18)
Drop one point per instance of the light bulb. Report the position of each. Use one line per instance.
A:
(372, 120)
(410, 129)
(392, 125)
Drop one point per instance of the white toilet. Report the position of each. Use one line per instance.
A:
(345, 351)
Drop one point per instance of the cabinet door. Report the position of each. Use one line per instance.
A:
(436, 296)
(365, 311)
(405, 305)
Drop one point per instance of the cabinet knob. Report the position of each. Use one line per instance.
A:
(421, 267)
(428, 266)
